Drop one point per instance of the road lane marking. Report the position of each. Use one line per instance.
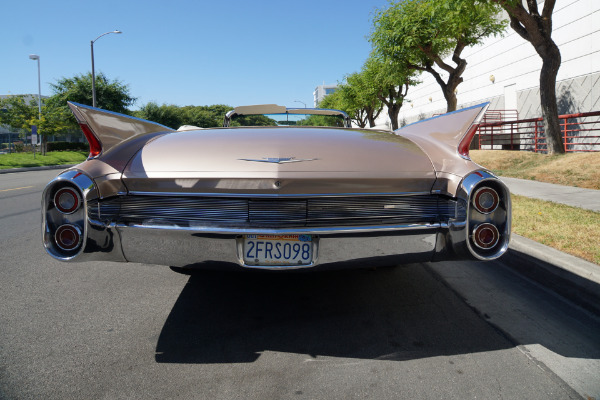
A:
(8, 190)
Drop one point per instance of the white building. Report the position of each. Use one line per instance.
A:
(505, 70)
(321, 91)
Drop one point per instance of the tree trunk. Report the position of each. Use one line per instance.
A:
(371, 121)
(451, 101)
(551, 64)
(537, 30)
(360, 118)
(454, 79)
(393, 111)
(454, 74)
(370, 116)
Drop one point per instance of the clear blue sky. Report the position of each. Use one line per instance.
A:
(188, 52)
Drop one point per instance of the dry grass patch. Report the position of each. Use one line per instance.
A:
(569, 229)
(573, 169)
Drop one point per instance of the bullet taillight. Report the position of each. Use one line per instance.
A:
(486, 200)
(68, 237)
(486, 236)
(67, 200)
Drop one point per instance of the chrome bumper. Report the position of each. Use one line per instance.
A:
(211, 245)
(179, 247)
(364, 246)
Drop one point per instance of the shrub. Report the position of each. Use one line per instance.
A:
(66, 146)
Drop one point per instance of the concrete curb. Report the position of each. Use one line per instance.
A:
(45, 167)
(571, 277)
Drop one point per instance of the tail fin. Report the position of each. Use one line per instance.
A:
(105, 129)
(453, 131)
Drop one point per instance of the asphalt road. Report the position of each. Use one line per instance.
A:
(112, 331)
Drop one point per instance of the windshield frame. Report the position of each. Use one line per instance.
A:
(275, 109)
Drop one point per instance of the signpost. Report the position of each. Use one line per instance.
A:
(34, 138)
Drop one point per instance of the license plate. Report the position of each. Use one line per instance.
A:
(278, 250)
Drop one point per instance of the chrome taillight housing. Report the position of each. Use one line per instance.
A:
(64, 214)
(484, 201)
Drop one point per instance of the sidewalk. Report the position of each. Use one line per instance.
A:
(566, 275)
(569, 195)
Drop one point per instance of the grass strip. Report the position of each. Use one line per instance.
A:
(573, 169)
(569, 229)
(23, 160)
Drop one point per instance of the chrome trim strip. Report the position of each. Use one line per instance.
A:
(287, 231)
(278, 160)
(276, 195)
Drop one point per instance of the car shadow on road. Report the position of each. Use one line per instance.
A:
(397, 313)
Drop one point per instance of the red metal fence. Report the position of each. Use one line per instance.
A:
(581, 132)
(492, 116)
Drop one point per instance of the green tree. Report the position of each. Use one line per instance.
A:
(166, 114)
(343, 99)
(390, 82)
(536, 28)
(110, 95)
(421, 34)
(201, 116)
(206, 116)
(322, 120)
(252, 120)
(54, 121)
(19, 113)
(357, 98)
(366, 96)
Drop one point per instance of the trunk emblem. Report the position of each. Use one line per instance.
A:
(277, 160)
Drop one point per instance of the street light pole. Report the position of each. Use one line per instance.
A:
(36, 57)
(298, 101)
(94, 72)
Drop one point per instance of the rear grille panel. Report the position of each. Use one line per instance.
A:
(274, 213)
